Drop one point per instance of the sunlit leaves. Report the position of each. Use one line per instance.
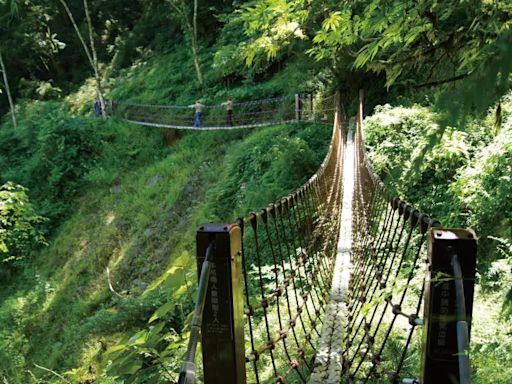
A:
(163, 310)
(270, 26)
(424, 41)
(150, 352)
(464, 180)
(338, 32)
(271, 51)
(367, 54)
(19, 231)
(332, 22)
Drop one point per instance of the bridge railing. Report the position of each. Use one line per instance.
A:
(247, 114)
(269, 277)
(408, 273)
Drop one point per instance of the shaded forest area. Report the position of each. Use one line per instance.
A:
(89, 203)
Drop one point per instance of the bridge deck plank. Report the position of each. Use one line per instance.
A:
(328, 362)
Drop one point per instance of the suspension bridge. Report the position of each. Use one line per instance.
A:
(338, 282)
(247, 114)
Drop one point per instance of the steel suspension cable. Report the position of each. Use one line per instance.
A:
(462, 325)
(188, 368)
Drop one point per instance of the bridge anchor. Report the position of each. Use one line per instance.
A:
(448, 306)
(222, 329)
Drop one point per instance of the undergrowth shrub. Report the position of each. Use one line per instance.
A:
(465, 180)
(49, 153)
(268, 165)
(484, 190)
(19, 227)
(56, 156)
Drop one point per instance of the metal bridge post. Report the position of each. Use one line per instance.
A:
(448, 306)
(222, 329)
(360, 109)
(337, 105)
(310, 107)
(297, 107)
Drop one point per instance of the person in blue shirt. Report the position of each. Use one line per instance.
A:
(97, 108)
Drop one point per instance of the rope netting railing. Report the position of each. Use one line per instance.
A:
(247, 114)
(269, 281)
(289, 250)
(390, 278)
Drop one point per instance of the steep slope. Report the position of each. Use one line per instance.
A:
(139, 222)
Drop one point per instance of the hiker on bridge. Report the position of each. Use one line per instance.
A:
(199, 112)
(97, 108)
(229, 111)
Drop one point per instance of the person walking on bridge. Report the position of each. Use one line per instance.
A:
(229, 111)
(199, 113)
(97, 108)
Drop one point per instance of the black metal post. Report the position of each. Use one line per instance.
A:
(448, 306)
(297, 107)
(360, 109)
(310, 107)
(222, 329)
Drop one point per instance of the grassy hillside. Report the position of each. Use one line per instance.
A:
(140, 222)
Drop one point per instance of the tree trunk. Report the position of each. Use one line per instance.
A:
(195, 49)
(190, 31)
(92, 60)
(95, 60)
(8, 90)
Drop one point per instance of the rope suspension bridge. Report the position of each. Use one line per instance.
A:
(248, 114)
(338, 282)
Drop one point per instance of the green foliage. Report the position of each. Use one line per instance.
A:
(50, 156)
(489, 80)
(150, 354)
(13, 346)
(118, 197)
(19, 225)
(415, 44)
(281, 154)
(162, 82)
(491, 340)
(138, 228)
(416, 41)
(463, 180)
(500, 271)
(166, 85)
(485, 187)
(271, 25)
